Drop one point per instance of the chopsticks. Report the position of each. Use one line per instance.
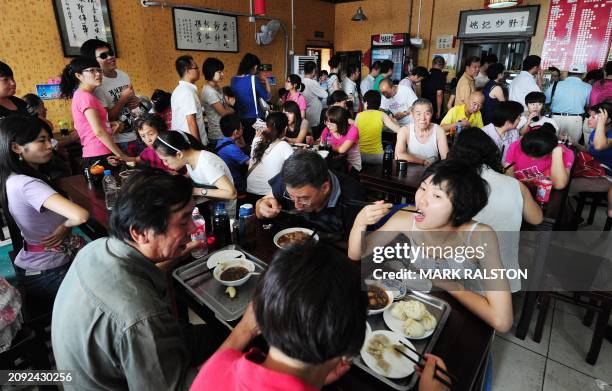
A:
(408, 208)
(436, 376)
(198, 275)
(508, 166)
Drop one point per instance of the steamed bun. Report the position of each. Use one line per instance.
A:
(428, 321)
(413, 329)
(414, 309)
(397, 311)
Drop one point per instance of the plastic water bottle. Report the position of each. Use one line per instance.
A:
(111, 190)
(388, 160)
(221, 226)
(247, 226)
(199, 235)
(458, 128)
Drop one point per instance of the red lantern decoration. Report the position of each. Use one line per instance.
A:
(259, 7)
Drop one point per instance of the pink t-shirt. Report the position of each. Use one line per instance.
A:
(230, 370)
(299, 99)
(81, 101)
(528, 168)
(600, 92)
(352, 155)
(149, 157)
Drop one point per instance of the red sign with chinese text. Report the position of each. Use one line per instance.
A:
(397, 39)
(577, 33)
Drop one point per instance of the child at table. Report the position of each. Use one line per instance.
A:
(534, 118)
(286, 310)
(150, 126)
(538, 155)
(343, 137)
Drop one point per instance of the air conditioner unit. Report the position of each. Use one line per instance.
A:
(297, 63)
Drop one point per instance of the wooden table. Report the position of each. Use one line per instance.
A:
(464, 343)
(396, 185)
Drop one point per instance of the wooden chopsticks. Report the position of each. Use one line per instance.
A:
(418, 362)
(408, 208)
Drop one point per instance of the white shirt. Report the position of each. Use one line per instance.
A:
(367, 84)
(504, 213)
(108, 94)
(208, 170)
(520, 86)
(541, 121)
(269, 166)
(350, 87)
(481, 80)
(402, 101)
(185, 101)
(313, 92)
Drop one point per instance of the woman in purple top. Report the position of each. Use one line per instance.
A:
(43, 216)
(248, 86)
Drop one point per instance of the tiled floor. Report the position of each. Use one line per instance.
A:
(557, 362)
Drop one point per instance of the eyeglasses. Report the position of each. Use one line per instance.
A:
(296, 200)
(93, 70)
(106, 54)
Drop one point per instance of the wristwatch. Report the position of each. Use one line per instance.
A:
(204, 192)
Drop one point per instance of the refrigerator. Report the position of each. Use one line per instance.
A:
(395, 47)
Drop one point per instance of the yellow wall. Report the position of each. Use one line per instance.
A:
(392, 16)
(30, 41)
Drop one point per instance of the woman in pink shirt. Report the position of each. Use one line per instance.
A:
(538, 155)
(294, 85)
(343, 137)
(602, 89)
(79, 80)
(286, 311)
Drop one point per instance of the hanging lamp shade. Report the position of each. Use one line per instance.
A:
(501, 3)
(359, 16)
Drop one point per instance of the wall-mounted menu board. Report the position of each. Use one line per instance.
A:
(577, 33)
(205, 31)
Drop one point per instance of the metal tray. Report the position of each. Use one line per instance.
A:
(211, 293)
(440, 309)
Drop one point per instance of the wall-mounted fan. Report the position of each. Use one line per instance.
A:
(268, 31)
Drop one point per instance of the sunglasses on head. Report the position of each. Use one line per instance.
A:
(106, 54)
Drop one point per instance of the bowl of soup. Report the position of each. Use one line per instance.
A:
(233, 272)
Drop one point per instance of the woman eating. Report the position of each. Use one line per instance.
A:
(538, 155)
(297, 128)
(268, 153)
(44, 217)
(449, 197)
(343, 137)
(295, 87)
(421, 141)
(208, 171)
(79, 80)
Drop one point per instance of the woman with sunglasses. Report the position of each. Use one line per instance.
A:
(448, 198)
(79, 80)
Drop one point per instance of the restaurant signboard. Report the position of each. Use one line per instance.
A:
(519, 21)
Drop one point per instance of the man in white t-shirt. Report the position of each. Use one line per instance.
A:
(398, 100)
(349, 85)
(115, 93)
(524, 82)
(186, 106)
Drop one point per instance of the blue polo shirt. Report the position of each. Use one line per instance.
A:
(243, 90)
(235, 159)
(571, 96)
(605, 156)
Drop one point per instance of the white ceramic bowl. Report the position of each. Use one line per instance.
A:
(289, 230)
(389, 301)
(226, 264)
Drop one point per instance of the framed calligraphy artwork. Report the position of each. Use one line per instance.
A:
(512, 22)
(204, 31)
(80, 20)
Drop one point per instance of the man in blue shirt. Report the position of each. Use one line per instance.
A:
(568, 104)
(232, 155)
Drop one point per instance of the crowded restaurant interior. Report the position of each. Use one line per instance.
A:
(306, 194)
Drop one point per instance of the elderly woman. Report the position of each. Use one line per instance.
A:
(449, 197)
(421, 141)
